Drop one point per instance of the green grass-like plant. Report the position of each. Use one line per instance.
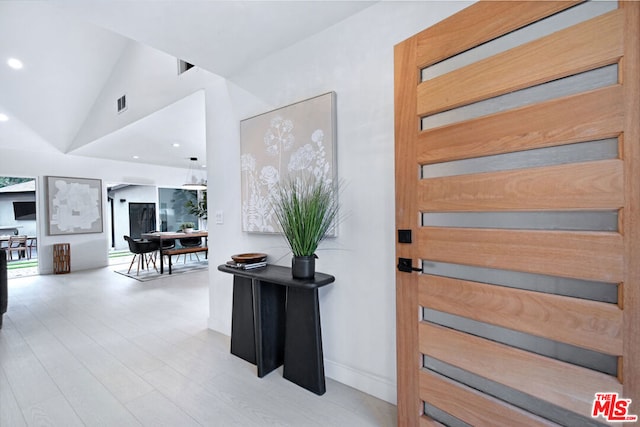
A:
(306, 208)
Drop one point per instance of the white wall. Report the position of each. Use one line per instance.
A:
(7, 214)
(355, 59)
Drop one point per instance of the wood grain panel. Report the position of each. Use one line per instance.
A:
(560, 383)
(588, 324)
(473, 407)
(590, 116)
(581, 255)
(429, 422)
(631, 224)
(406, 76)
(588, 185)
(479, 23)
(580, 48)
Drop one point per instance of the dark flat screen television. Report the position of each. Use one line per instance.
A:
(24, 211)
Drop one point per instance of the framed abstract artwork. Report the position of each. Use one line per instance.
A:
(300, 137)
(74, 205)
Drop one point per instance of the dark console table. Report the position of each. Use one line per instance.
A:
(276, 321)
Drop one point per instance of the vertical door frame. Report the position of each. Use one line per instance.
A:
(407, 316)
(630, 228)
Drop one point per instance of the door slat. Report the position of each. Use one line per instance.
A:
(588, 324)
(588, 185)
(484, 22)
(582, 255)
(560, 383)
(429, 422)
(589, 116)
(471, 406)
(586, 46)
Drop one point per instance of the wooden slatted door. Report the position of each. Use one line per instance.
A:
(518, 200)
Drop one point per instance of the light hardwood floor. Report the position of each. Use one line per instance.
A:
(99, 349)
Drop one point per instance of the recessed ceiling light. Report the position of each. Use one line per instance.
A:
(3, 117)
(14, 63)
(204, 166)
(136, 157)
(175, 144)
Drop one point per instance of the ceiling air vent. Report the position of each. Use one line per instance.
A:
(184, 66)
(122, 103)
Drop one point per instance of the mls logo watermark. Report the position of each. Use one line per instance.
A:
(612, 408)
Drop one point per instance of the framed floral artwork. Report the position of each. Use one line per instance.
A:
(289, 140)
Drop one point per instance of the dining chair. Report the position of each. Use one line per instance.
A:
(18, 244)
(32, 243)
(144, 251)
(190, 242)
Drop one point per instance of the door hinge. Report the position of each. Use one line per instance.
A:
(406, 265)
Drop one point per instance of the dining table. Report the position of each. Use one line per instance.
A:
(172, 235)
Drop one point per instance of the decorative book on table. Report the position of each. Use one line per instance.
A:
(246, 266)
(248, 261)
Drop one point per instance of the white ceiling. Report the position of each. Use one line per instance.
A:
(67, 62)
(69, 48)
(151, 138)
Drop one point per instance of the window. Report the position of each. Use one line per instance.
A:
(173, 209)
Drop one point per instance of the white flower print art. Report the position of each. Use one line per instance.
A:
(291, 139)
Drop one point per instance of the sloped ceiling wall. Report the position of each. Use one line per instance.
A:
(67, 62)
(219, 36)
(74, 69)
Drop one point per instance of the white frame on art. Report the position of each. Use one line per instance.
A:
(74, 205)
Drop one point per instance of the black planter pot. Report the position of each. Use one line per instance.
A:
(303, 267)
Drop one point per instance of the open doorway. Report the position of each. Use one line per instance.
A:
(19, 225)
(131, 210)
(136, 209)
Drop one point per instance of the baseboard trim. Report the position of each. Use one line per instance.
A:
(219, 325)
(374, 385)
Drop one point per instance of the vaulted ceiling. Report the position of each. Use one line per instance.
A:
(70, 47)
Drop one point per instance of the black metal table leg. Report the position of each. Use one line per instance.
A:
(269, 319)
(243, 342)
(161, 258)
(303, 358)
(258, 322)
